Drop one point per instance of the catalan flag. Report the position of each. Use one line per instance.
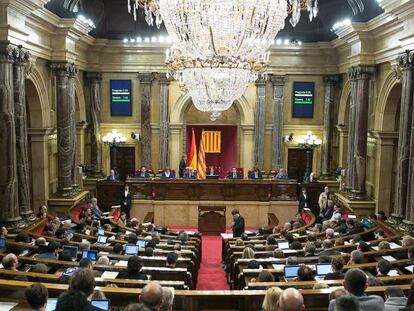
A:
(192, 156)
(212, 141)
(201, 159)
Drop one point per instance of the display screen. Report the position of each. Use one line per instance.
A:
(303, 99)
(121, 98)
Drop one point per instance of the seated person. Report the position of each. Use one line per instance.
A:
(142, 173)
(305, 273)
(233, 174)
(36, 296)
(172, 259)
(282, 174)
(211, 171)
(383, 267)
(255, 174)
(52, 251)
(311, 177)
(42, 212)
(337, 269)
(10, 262)
(133, 270)
(190, 173)
(96, 211)
(112, 176)
(167, 174)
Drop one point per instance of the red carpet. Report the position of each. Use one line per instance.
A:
(211, 276)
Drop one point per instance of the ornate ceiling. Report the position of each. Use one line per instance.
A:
(113, 21)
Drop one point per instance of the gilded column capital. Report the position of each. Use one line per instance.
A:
(278, 80)
(64, 69)
(145, 78)
(406, 60)
(94, 76)
(361, 72)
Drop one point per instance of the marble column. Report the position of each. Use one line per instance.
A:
(146, 81)
(95, 79)
(65, 126)
(363, 74)
(259, 124)
(351, 121)
(164, 121)
(9, 211)
(406, 63)
(73, 133)
(404, 196)
(21, 58)
(328, 123)
(278, 83)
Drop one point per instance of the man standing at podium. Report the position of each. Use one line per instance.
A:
(237, 225)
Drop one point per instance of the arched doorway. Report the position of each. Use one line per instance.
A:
(41, 163)
(387, 119)
(241, 115)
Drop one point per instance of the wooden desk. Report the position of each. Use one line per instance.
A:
(199, 190)
(211, 219)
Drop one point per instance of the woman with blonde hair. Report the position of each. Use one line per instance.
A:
(248, 253)
(271, 299)
(239, 242)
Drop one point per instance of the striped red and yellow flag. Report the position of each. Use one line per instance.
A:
(201, 159)
(212, 141)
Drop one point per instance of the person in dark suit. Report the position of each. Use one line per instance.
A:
(143, 173)
(238, 223)
(353, 228)
(133, 271)
(167, 174)
(190, 173)
(304, 201)
(311, 178)
(181, 167)
(255, 174)
(112, 176)
(234, 174)
(126, 201)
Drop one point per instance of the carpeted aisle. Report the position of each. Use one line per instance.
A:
(211, 276)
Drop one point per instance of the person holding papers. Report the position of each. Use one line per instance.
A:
(238, 223)
(126, 201)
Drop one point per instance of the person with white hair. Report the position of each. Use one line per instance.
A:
(103, 260)
(167, 299)
(330, 233)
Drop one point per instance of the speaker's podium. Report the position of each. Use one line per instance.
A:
(211, 219)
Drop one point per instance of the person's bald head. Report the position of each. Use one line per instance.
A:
(291, 300)
(151, 296)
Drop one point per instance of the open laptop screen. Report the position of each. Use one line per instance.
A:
(72, 250)
(283, 245)
(291, 271)
(92, 255)
(101, 231)
(131, 249)
(141, 243)
(323, 268)
(101, 304)
(102, 239)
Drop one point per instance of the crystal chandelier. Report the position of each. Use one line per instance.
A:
(214, 83)
(152, 10)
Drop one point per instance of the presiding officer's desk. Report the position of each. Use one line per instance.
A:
(176, 201)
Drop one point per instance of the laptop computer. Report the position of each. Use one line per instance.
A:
(102, 239)
(101, 231)
(283, 245)
(141, 243)
(322, 269)
(131, 249)
(92, 255)
(72, 250)
(290, 272)
(103, 304)
(51, 304)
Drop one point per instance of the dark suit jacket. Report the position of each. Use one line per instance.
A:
(113, 178)
(139, 175)
(252, 176)
(327, 213)
(238, 227)
(188, 175)
(181, 168)
(126, 199)
(329, 252)
(354, 230)
(304, 202)
(230, 176)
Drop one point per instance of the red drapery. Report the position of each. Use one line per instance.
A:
(228, 156)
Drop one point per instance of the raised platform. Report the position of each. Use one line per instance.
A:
(359, 207)
(185, 213)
